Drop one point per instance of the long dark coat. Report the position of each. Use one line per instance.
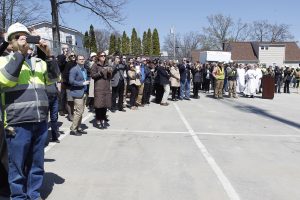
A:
(102, 92)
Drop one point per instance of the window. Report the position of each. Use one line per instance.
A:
(267, 48)
(262, 47)
(69, 39)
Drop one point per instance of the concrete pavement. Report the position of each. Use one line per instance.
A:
(201, 149)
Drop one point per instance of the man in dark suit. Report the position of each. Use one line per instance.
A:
(78, 89)
(185, 79)
(118, 85)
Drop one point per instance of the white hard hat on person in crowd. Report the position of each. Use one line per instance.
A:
(93, 54)
(16, 28)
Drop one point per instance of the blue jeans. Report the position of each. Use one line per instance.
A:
(26, 159)
(185, 87)
(53, 110)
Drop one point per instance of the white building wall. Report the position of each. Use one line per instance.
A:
(272, 55)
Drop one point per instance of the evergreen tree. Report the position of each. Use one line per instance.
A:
(134, 42)
(149, 42)
(112, 44)
(128, 45)
(139, 47)
(93, 44)
(145, 49)
(155, 43)
(86, 40)
(118, 46)
(125, 49)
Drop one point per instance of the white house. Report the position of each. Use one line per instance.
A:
(69, 36)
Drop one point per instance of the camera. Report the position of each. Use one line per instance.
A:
(33, 39)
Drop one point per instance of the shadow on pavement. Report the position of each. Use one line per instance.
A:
(49, 160)
(258, 111)
(50, 179)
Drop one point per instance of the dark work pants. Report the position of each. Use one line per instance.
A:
(4, 186)
(196, 88)
(147, 93)
(175, 92)
(206, 85)
(118, 92)
(53, 110)
(134, 92)
(100, 113)
(159, 93)
(286, 88)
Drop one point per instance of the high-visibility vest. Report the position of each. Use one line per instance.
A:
(220, 75)
(23, 90)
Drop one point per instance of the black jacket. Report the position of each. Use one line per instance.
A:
(164, 75)
(67, 70)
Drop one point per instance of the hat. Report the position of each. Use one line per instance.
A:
(16, 28)
(144, 59)
(93, 54)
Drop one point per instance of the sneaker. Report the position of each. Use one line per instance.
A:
(122, 110)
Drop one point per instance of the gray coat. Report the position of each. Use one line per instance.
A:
(117, 74)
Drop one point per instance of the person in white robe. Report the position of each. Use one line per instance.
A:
(240, 79)
(251, 83)
(258, 78)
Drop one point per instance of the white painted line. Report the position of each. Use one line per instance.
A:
(131, 131)
(232, 194)
(247, 135)
(185, 132)
(61, 137)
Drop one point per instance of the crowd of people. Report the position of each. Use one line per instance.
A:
(36, 84)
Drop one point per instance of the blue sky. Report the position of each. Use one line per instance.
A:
(188, 15)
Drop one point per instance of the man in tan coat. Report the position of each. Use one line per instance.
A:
(219, 75)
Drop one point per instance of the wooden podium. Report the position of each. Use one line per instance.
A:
(268, 86)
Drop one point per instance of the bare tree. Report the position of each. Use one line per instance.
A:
(219, 29)
(260, 30)
(264, 31)
(102, 39)
(241, 31)
(191, 41)
(280, 33)
(108, 10)
(23, 11)
(169, 45)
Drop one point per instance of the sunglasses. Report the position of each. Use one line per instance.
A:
(72, 55)
(102, 55)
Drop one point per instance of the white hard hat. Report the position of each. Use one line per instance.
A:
(93, 54)
(16, 28)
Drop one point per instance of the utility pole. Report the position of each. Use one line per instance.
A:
(174, 43)
(55, 26)
(172, 31)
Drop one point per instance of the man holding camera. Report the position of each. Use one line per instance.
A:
(118, 84)
(23, 81)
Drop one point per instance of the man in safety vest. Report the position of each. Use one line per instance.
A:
(219, 75)
(23, 79)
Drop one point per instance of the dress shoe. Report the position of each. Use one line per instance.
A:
(70, 118)
(75, 133)
(164, 104)
(81, 131)
(56, 141)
